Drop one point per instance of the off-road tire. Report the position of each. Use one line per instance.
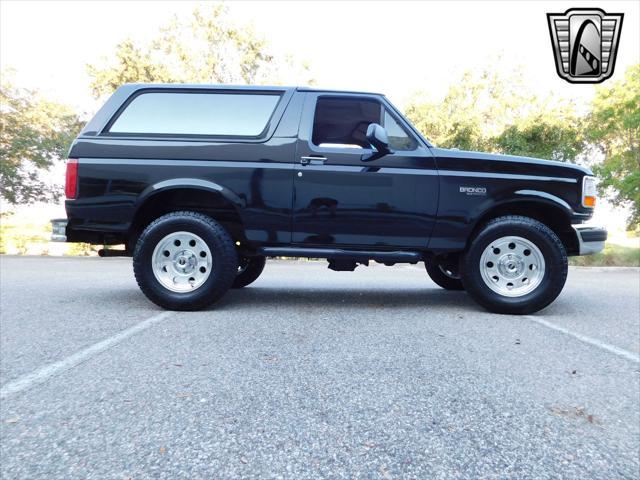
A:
(253, 267)
(551, 248)
(224, 261)
(434, 269)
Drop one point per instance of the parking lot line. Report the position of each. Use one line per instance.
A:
(43, 374)
(588, 340)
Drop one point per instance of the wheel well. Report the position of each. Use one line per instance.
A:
(196, 200)
(553, 217)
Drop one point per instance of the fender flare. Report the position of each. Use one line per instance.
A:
(533, 196)
(189, 183)
(513, 198)
(544, 197)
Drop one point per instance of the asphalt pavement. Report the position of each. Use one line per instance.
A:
(310, 373)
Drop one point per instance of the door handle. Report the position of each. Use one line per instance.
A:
(313, 160)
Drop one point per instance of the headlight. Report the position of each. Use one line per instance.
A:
(589, 192)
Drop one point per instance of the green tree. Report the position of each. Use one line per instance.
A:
(494, 112)
(614, 130)
(35, 133)
(205, 47)
(550, 130)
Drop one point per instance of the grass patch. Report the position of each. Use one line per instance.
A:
(612, 256)
(30, 236)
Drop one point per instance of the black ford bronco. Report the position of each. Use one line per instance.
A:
(202, 183)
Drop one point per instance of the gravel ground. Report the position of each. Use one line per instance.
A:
(310, 373)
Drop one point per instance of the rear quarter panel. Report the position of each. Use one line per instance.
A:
(118, 174)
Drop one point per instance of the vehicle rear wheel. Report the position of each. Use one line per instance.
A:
(249, 269)
(514, 265)
(185, 261)
(444, 275)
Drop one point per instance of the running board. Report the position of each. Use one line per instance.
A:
(333, 253)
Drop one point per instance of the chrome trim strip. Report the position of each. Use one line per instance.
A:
(409, 171)
(190, 163)
(508, 176)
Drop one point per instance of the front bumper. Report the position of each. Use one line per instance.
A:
(59, 230)
(590, 239)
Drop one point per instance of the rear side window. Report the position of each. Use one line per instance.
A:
(186, 113)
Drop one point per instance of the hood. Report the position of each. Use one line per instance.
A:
(535, 163)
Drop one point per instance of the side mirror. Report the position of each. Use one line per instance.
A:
(377, 137)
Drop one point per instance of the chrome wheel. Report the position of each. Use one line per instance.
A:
(512, 266)
(181, 262)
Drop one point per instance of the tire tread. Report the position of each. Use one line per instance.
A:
(495, 303)
(227, 265)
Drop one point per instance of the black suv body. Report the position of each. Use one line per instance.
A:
(255, 172)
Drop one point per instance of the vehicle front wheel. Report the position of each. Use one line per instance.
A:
(443, 274)
(249, 269)
(514, 265)
(185, 261)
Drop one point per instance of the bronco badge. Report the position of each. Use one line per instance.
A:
(473, 190)
(585, 43)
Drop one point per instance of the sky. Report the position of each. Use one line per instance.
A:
(393, 47)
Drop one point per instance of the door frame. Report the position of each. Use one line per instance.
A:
(417, 162)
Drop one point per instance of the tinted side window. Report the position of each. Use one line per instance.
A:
(398, 137)
(224, 114)
(344, 121)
